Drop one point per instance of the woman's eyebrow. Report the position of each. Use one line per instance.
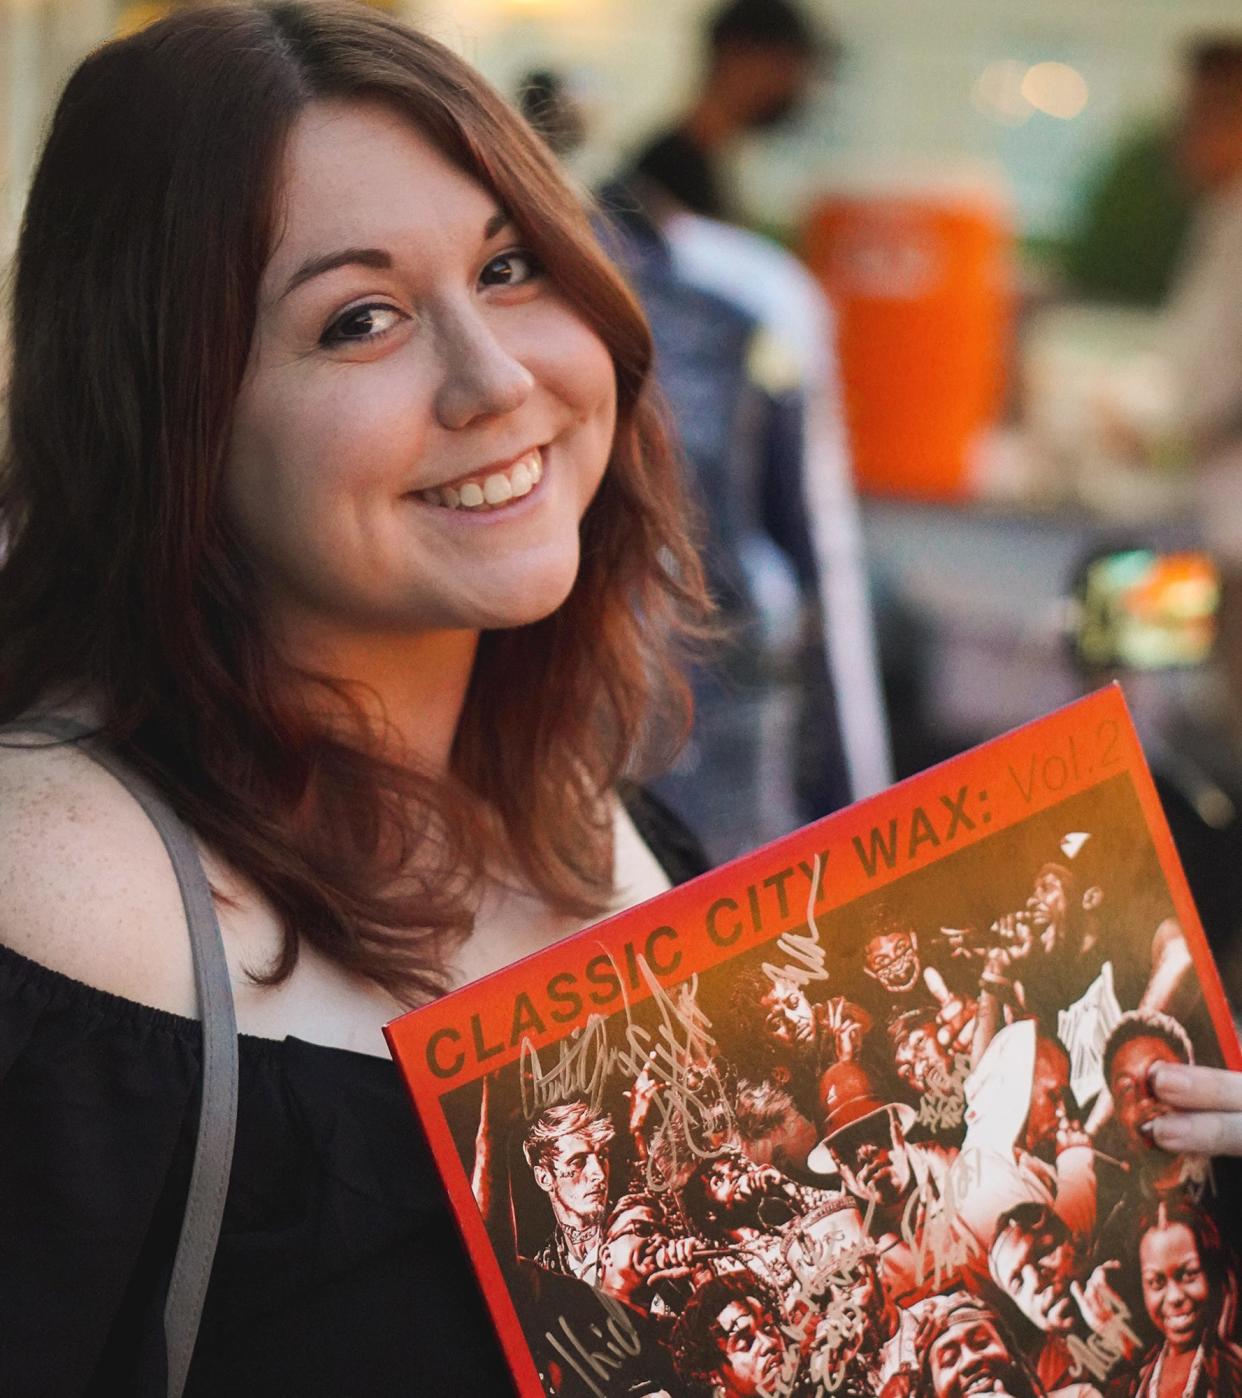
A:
(347, 257)
(499, 220)
(372, 257)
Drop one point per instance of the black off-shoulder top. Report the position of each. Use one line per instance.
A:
(339, 1270)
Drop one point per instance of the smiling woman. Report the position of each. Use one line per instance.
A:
(396, 401)
(1190, 1294)
(341, 522)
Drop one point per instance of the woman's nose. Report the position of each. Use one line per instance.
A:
(481, 376)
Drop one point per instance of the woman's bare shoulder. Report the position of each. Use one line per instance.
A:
(86, 887)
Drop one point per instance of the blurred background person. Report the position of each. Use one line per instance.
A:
(760, 59)
(547, 100)
(789, 717)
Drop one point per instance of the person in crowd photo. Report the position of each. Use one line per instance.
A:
(729, 1341)
(898, 1185)
(644, 1249)
(567, 1151)
(772, 1030)
(962, 1349)
(1190, 1291)
(1139, 1044)
(1043, 1271)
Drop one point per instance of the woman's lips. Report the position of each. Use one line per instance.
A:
(1181, 1323)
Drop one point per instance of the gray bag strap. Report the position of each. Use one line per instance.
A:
(217, 1119)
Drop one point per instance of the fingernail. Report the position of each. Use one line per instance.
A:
(1167, 1077)
(1167, 1132)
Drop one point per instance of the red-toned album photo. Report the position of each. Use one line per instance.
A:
(864, 1112)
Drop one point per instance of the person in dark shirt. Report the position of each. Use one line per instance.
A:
(338, 509)
(761, 55)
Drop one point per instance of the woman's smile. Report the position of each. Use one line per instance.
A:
(492, 488)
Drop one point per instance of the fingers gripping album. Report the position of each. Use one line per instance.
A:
(866, 1111)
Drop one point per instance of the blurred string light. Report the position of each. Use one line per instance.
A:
(1011, 92)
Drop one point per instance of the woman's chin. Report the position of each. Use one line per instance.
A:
(531, 599)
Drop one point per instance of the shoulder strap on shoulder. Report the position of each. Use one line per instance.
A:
(217, 1121)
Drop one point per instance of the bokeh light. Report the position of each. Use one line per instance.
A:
(1055, 89)
(998, 92)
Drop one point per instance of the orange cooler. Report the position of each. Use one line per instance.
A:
(921, 287)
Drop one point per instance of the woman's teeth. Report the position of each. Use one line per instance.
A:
(491, 491)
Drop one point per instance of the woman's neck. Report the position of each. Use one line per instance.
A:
(1175, 1370)
(410, 687)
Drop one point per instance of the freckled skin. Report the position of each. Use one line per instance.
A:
(369, 384)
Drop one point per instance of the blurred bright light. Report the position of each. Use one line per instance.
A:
(999, 92)
(1055, 88)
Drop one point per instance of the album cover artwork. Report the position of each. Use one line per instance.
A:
(865, 1112)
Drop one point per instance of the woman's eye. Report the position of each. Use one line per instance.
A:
(511, 269)
(361, 324)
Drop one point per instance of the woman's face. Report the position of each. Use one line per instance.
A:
(1175, 1286)
(424, 418)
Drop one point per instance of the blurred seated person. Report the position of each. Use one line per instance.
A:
(743, 445)
(761, 56)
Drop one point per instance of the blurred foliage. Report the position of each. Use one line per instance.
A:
(1132, 224)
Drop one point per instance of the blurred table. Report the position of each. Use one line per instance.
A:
(971, 603)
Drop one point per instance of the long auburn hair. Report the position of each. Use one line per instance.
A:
(148, 226)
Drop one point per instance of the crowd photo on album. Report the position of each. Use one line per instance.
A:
(923, 1171)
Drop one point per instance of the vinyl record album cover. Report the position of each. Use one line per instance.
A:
(863, 1112)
